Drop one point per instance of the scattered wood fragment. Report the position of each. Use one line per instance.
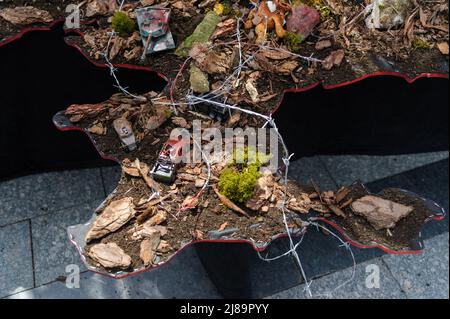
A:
(228, 203)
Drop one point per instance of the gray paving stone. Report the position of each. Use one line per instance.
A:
(51, 246)
(425, 275)
(111, 177)
(16, 266)
(347, 169)
(35, 195)
(356, 289)
(306, 168)
(182, 277)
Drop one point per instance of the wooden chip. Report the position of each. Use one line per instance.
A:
(228, 203)
(144, 174)
(337, 210)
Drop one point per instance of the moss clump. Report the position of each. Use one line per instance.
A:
(419, 43)
(238, 180)
(238, 185)
(122, 24)
(293, 41)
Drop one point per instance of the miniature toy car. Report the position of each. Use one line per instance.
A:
(165, 168)
(125, 131)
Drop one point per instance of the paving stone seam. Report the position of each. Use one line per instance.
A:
(52, 212)
(392, 275)
(30, 229)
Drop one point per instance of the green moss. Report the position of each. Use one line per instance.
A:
(201, 34)
(249, 155)
(238, 180)
(237, 185)
(419, 43)
(293, 41)
(123, 24)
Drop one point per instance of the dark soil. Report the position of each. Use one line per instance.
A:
(401, 236)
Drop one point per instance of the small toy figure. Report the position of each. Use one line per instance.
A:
(268, 15)
(125, 131)
(154, 28)
(165, 168)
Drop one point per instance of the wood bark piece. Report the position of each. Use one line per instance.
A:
(149, 247)
(109, 256)
(115, 215)
(25, 15)
(228, 203)
(380, 213)
(144, 173)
